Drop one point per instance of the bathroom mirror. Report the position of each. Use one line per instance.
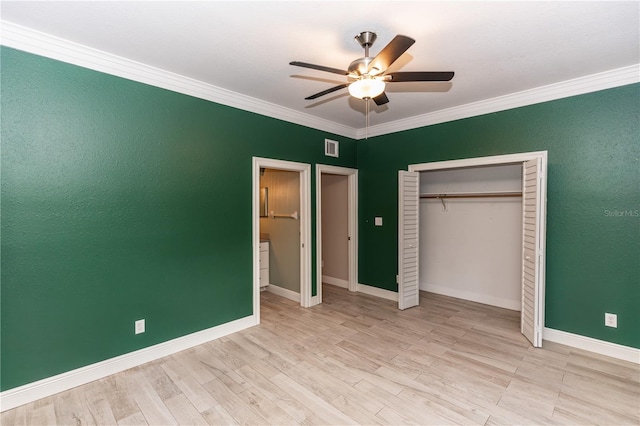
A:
(264, 201)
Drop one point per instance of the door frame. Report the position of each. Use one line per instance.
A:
(352, 207)
(518, 158)
(305, 226)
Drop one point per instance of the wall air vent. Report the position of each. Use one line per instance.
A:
(330, 148)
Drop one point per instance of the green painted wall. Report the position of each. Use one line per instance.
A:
(593, 206)
(123, 201)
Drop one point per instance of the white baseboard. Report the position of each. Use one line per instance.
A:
(335, 281)
(288, 294)
(51, 385)
(590, 344)
(514, 305)
(378, 292)
(315, 300)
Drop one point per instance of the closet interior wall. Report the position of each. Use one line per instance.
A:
(471, 247)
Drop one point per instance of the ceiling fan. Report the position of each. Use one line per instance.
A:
(368, 75)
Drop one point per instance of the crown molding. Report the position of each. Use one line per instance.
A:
(39, 43)
(578, 86)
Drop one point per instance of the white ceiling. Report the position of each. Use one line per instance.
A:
(495, 48)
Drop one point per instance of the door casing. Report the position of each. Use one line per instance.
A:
(305, 226)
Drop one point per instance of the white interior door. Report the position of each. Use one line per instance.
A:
(408, 216)
(532, 209)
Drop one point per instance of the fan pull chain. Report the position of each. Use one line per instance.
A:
(366, 120)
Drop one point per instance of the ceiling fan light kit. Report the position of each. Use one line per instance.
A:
(369, 73)
(366, 88)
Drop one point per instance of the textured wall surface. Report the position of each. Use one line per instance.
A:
(593, 203)
(112, 208)
(122, 201)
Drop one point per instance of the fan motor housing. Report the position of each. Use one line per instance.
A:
(360, 67)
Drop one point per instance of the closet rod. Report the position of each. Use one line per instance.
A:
(473, 195)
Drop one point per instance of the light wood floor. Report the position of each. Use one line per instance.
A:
(356, 359)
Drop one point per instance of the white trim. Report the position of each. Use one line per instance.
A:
(284, 292)
(590, 344)
(335, 281)
(51, 385)
(304, 169)
(352, 175)
(574, 87)
(378, 292)
(478, 161)
(39, 43)
(514, 305)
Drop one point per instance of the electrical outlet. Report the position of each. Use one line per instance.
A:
(139, 326)
(611, 320)
(378, 221)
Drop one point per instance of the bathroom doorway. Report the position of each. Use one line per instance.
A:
(281, 229)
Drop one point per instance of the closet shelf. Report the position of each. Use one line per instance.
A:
(474, 195)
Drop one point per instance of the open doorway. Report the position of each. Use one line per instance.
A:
(280, 232)
(336, 228)
(287, 186)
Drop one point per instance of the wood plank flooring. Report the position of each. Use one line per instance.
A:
(357, 359)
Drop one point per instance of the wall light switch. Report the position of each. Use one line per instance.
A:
(378, 221)
(139, 326)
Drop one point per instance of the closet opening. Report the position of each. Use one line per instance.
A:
(471, 234)
(474, 229)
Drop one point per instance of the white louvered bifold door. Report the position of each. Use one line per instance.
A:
(408, 214)
(531, 321)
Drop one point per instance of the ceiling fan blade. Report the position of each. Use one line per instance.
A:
(319, 67)
(381, 99)
(326, 92)
(419, 76)
(391, 52)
